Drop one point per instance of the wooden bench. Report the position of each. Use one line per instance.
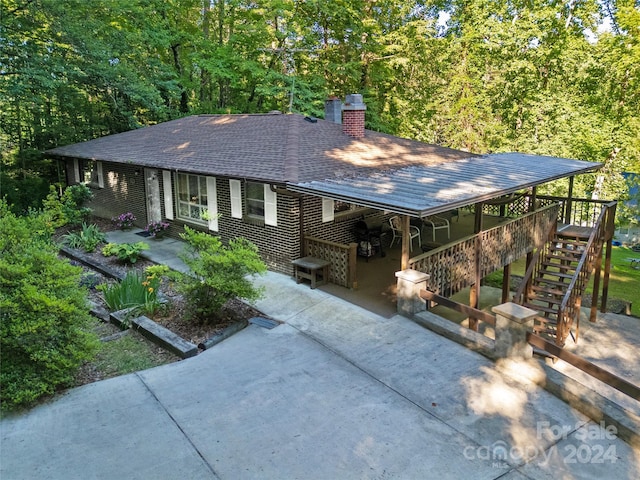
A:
(309, 268)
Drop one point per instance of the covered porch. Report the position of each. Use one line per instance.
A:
(484, 200)
(376, 281)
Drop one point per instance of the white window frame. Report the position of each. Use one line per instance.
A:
(89, 172)
(180, 203)
(270, 203)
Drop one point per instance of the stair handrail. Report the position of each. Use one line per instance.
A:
(593, 247)
(534, 265)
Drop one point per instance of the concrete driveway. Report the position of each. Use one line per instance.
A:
(335, 392)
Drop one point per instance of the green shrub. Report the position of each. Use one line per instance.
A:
(126, 252)
(43, 312)
(136, 291)
(68, 208)
(218, 273)
(87, 239)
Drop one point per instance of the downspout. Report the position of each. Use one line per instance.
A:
(288, 193)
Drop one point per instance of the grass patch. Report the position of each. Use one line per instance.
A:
(624, 281)
(128, 353)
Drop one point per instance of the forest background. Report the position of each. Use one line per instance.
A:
(548, 77)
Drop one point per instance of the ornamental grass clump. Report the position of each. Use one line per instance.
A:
(136, 291)
(87, 239)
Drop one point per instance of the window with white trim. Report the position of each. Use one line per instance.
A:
(91, 174)
(192, 197)
(255, 200)
(260, 202)
(334, 209)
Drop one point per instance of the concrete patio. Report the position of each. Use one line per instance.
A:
(334, 392)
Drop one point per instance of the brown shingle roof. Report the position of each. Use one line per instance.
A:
(270, 147)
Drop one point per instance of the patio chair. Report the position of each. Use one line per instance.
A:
(396, 229)
(437, 223)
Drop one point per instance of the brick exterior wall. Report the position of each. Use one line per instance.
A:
(342, 228)
(124, 191)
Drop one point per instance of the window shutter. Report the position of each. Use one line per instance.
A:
(76, 170)
(168, 195)
(236, 198)
(100, 177)
(270, 206)
(327, 209)
(212, 203)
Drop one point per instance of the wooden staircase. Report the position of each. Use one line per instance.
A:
(549, 286)
(558, 273)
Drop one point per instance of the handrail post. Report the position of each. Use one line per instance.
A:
(569, 203)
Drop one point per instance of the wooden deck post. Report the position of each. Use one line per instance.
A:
(406, 242)
(532, 207)
(607, 262)
(506, 283)
(353, 273)
(569, 205)
(474, 292)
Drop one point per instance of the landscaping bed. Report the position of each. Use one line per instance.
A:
(127, 352)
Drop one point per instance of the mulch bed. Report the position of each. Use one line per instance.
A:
(174, 316)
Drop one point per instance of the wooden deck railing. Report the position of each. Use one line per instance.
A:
(342, 270)
(570, 307)
(453, 267)
(582, 212)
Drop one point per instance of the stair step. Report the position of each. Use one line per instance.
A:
(556, 274)
(546, 321)
(563, 258)
(540, 308)
(555, 300)
(559, 265)
(548, 281)
(570, 251)
(572, 239)
(548, 291)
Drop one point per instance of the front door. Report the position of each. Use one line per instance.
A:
(152, 184)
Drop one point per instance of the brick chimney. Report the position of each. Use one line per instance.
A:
(353, 116)
(333, 110)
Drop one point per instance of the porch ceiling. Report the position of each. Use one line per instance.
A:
(426, 190)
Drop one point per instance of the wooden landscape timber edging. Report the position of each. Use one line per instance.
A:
(586, 366)
(155, 332)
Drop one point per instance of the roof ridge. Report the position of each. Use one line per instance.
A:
(264, 114)
(292, 151)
